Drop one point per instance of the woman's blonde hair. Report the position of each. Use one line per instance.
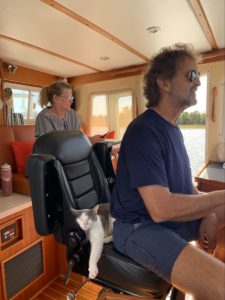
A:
(55, 88)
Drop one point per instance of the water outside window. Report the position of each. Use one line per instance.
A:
(193, 127)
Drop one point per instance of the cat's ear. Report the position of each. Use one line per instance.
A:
(73, 211)
(95, 209)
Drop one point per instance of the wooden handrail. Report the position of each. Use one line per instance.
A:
(214, 94)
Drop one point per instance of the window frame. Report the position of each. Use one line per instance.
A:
(30, 89)
(109, 96)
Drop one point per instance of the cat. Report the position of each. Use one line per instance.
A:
(97, 223)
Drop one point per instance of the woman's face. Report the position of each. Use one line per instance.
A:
(64, 101)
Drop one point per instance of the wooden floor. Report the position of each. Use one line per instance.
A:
(57, 290)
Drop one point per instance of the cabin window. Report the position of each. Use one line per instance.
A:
(193, 122)
(25, 100)
(111, 112)
(99, 115)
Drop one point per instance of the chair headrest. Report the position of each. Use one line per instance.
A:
(66, 146)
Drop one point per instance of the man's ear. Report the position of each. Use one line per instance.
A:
(163, 84)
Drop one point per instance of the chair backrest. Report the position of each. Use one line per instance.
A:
(64, 172)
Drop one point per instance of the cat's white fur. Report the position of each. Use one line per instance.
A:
(97, 237)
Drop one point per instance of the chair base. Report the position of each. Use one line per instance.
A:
(90, 290)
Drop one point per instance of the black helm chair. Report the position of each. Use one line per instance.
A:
(65, 172)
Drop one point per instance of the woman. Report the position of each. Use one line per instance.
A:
(59, 115)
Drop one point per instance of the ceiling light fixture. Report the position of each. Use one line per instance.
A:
(184, 46)
(104, 57)
(153, 29)
(11, 68)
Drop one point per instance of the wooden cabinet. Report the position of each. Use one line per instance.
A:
(28, 261)
(212, 178)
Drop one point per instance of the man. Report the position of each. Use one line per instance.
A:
(156, 207)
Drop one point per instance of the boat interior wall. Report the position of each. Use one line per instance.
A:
(84, 91)
(216, 77)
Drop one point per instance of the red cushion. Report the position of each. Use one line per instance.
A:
(110, 135)
(21, 151)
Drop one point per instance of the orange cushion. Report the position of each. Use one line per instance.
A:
(110, 135)
(21, 151)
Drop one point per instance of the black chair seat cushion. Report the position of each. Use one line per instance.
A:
(121, 273)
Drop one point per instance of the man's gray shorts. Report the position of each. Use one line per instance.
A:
(154, 246)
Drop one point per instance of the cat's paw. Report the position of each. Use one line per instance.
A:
(108, 239)
(93, 272)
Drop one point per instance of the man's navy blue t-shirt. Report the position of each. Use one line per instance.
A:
(152, 152)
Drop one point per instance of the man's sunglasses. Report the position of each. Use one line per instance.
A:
(192, 75)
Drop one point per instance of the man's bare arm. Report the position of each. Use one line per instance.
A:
(163, 205)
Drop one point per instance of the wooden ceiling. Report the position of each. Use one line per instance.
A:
(71, 38)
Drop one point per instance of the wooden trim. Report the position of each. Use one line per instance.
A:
(202, 169)
(201, 17)
(94, 27)
(212, 56)
(108, 75)
(47, 51)
(2, 120)
(213, 107)
(206, 57)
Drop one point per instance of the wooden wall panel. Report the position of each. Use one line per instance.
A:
(108, 75)
(29, 237)
(22, 76)
(27, 76)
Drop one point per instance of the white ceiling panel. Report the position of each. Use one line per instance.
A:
(129, 19)
(215, 11)
(52, 30)
(30, 58)
(40, 25)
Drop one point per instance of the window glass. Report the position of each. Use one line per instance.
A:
(35, 107)
(25, 101)
(99, 115)
(111, 111)
(125, 113)
(193, 127)
(20, 102)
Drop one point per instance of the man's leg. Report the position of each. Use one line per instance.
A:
(199, 274)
